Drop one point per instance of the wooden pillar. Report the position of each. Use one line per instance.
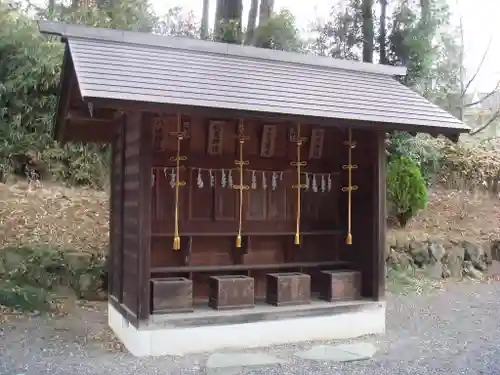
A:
(145, 193)
(379, 216)
(115, 255)
(367, 252)
(135, 217)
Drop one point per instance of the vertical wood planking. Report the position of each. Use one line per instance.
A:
(145, 194)
(130, 214)
(116, 212)
(380, 216)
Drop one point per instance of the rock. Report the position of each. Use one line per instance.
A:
(88, 287)
(77, 261)
(471, 271)
(399, 261)
(453, 260)
(402, 241)
(446, 271)
(339, 353)
(487, 253)
(437, 251)
(419, 251)
(494, 269)
(435, 271)
(475, 254)
(495, 250)
(391, 240)
(388, 252)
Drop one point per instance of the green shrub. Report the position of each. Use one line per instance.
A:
(406, 189)
(39, 267)
(24, 297)
(31, 277)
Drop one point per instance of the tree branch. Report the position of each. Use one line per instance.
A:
(478, 67)
(492, 92)
(486, 124)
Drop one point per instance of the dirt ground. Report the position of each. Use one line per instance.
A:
(78, 218)
(456, 214)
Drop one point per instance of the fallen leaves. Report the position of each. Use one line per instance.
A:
(55, 216)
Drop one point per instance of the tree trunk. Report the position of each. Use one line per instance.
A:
(75, 4)
(425, 9)
(204, 19)
(383, 32)
(367, 12)
(228, 11)
(252, 21)
(52, 7)
(266, 10)
(219, 12)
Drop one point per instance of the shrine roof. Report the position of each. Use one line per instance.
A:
(145, 68)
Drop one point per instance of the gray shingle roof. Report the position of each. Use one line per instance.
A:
(133, 66)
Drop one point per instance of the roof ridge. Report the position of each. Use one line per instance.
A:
(146, 39)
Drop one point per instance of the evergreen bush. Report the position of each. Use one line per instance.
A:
(406, 189)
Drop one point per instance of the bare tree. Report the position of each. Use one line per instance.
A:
(465, 85)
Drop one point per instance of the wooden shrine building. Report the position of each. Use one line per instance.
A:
(247, 201)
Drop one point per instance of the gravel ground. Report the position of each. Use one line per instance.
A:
(454, 331)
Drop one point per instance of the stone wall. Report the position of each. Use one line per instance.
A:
(451, 258)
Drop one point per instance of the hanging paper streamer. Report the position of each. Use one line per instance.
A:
(178, 158)
(230, 179)
(199, 179)
(308, 181)
(241, 187)
(254, 180)
(299, 142)
(172, 178)
(314, 184)
(223, 178)
(264, 181)
(323, 183)
(349, 188)
(329, 183)
(212, 178)
(274, 181)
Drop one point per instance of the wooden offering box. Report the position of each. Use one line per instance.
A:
(231, 292)
(172, 295)
(340, 285)
(290, 288)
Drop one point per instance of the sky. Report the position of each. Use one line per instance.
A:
(480, 20)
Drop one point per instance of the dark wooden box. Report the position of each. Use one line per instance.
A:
(172, 295)
(340, 285)
(231, 292)
(288, 288)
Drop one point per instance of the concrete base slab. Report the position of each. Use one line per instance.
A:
(171, 340)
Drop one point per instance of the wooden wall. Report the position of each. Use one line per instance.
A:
(130, 216)
(143, 202)
(209, 214)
